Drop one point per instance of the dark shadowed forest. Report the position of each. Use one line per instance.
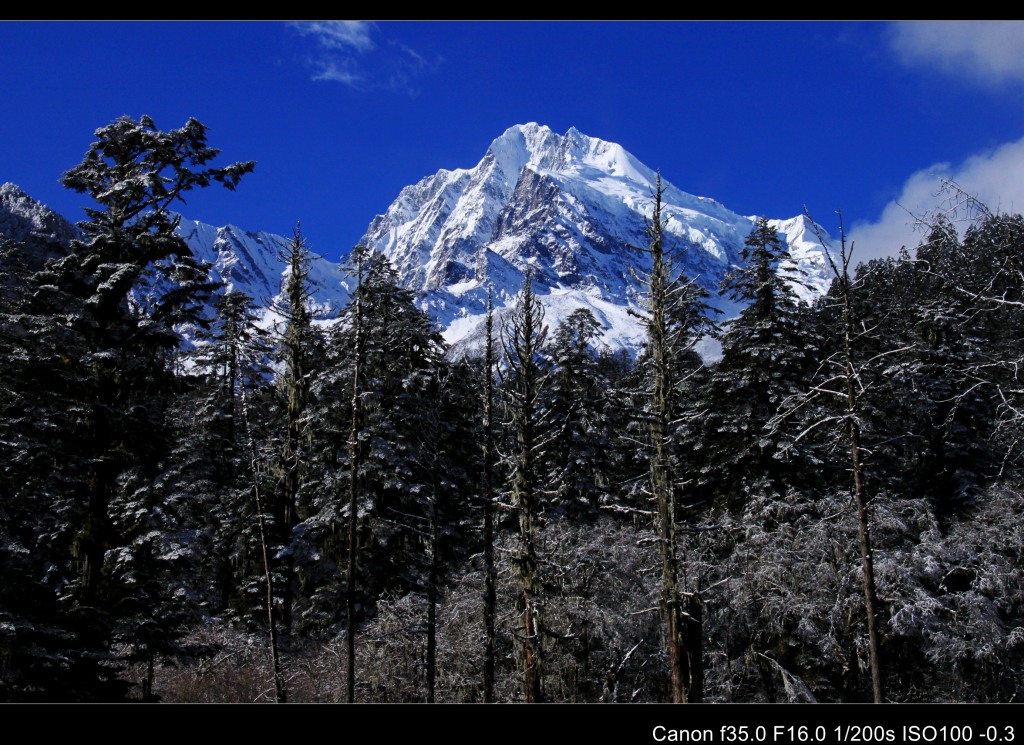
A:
(313, 512)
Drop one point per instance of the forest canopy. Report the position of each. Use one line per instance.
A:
(297, 511)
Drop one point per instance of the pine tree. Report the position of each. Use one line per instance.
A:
(374, 401)
(117, 298)
(676, 316)
(297, 352)
(577, 461)
(51, 652)
(447, 457)
(524, 387)
(764, 361)
(399, 350)
(135, 172)
(211, 458)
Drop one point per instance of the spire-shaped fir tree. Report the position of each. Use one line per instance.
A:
(578, 458)
(524, 386)
(228, 386)
(765, 352)
(378, 476)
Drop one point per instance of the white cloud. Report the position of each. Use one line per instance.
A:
(988, 51)
(339, 35)
(347, 53)
(339, 71)
(995, 178)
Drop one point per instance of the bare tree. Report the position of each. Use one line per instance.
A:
(842, 381)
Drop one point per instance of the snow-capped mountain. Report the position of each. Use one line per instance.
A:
(571, 206)
(253, 262)
(256, 264)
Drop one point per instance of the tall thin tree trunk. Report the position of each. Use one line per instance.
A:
(863, 526)
(662, 486)
(867, 564)
(279, 683)
(490, 574)
(353, 501)
(842, 274)
(435, 448)
(694, 645)
(432, 582)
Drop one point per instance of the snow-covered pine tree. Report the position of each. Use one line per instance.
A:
(299, 354)
(373, 402)
(446, 454)
(399, 352)
(675, 317)
(765, 355)
(577, 462)
(211, 458)
(51, 651)
(523, 386)
(992, 279)
(931, 414)
(120, 294)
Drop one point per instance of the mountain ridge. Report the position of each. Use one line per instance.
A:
(571, 206)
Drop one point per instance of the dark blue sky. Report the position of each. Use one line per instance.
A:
(763, 117)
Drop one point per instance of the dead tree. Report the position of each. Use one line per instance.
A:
(844, 384)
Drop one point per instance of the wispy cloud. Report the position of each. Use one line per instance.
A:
(996, 178)
(985, 51)
(342, 35)
(348, 53)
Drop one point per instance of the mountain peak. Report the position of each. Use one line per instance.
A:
(537, 146)
(522, 145)
(570, 205)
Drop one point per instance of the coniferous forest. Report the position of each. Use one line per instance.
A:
(344, 512)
